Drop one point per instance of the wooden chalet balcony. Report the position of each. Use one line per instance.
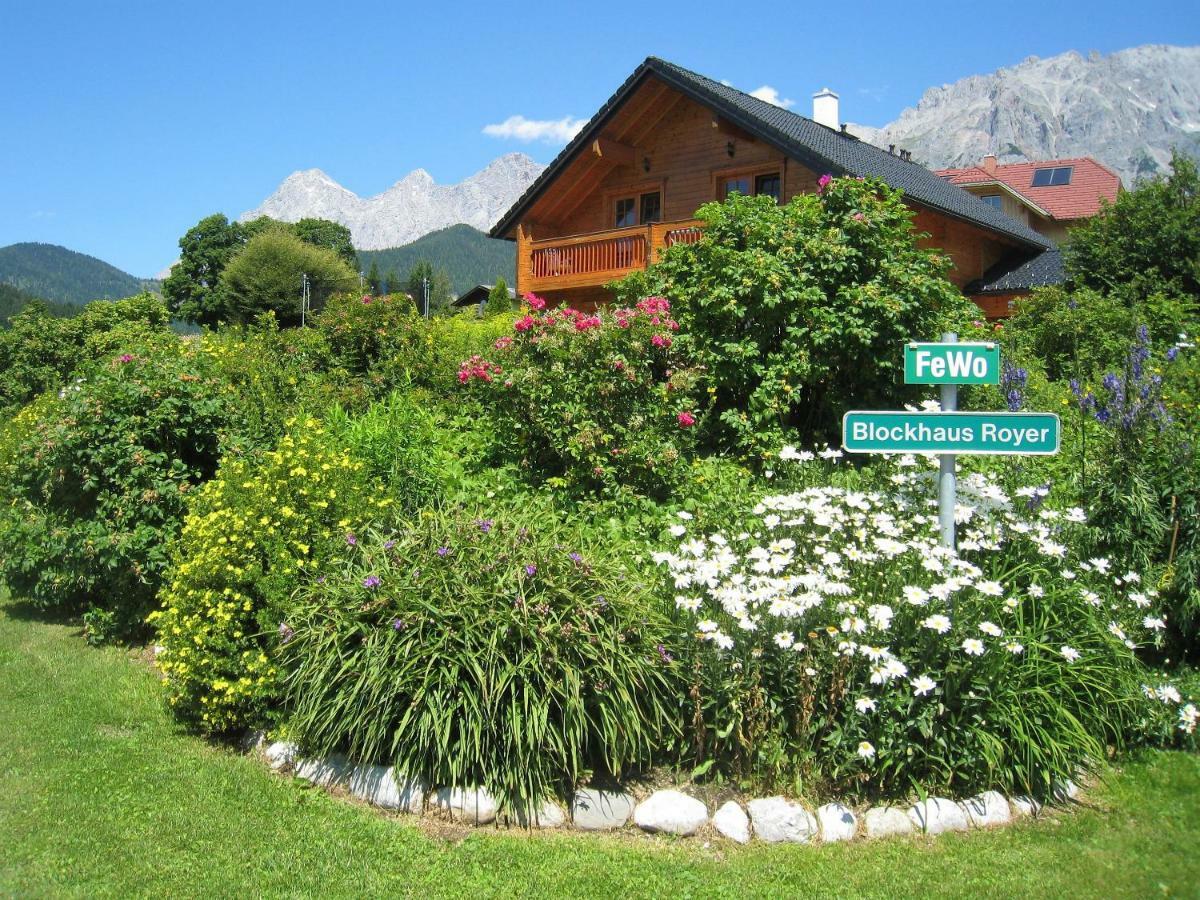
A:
(592, 260)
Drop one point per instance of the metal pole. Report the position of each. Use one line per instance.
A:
(946, 474)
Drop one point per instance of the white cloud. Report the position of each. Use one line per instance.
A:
(770, 95)
(549, 131)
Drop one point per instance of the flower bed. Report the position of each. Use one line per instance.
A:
(837, 645)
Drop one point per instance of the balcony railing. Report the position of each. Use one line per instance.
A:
(591, 260)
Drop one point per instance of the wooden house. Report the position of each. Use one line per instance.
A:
(670, 140)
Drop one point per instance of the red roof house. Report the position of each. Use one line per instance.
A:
(1048, 196)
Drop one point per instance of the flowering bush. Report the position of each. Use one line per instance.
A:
(39, 352)
(602, 400)
(267, 373)
(837, 642)
(797, 311)
(472, 650)
(368, 335)
(253, 534)
(94, 479)
(1142, 481)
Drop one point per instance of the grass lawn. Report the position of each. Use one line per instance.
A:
(100, 794)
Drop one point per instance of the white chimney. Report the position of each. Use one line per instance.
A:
(825, 109)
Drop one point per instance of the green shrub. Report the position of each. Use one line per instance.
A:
(1081, 333)
(1141, 478)
(469, 651)
(94, 480)
(40, 351)
(836, 647)
(367, 335)
(269, 373)
(402, 444)
(499, 303)
(265, 276)
(253, 534)
(797, 312)
(597, 401)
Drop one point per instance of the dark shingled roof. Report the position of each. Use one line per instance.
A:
(1020, 272)
(821, 149)
(479, 294)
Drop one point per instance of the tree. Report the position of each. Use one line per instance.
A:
(266, 277)
(373, 279)
(424, 277)
(1148, 241)
(393, 283)
(797, 312)
(331, 235)
(498, 300)
(193, 287)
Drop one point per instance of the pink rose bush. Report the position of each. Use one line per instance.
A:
(603, 399)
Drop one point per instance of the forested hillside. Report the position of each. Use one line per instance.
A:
(56, 273)
(13, 300)
(468, 255)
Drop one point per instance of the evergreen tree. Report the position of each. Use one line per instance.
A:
(498, 300)
(373, 279)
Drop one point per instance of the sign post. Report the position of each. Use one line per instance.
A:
(950, 433)
(947, 474)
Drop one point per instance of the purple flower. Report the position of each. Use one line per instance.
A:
(351, 539)
(285, 632)
(485, 525)
(126, 358)
(443, 551)
(388, 545)
(320, 579)
(530, 569)
(398, 625)
(663, 655)
(1172, 353)
(575, 557)
(371, 582)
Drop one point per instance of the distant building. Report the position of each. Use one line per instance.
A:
(1049, 196)
(477, 296)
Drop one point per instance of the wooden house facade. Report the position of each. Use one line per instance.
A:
(669, 141)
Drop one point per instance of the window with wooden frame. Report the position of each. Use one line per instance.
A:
(635, 205)
(759, 181)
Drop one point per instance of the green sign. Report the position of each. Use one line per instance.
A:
(951, 432)
(951, 363)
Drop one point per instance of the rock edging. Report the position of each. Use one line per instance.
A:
(669, 811)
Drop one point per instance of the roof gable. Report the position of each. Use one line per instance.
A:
(821, 149)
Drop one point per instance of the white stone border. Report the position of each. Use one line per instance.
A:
(769, 819)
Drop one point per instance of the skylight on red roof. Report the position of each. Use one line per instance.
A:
(1052, 176)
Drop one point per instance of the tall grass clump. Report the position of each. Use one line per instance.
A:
(481, 651)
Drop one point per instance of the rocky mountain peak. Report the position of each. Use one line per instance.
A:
(1127, 110)
(412, 207)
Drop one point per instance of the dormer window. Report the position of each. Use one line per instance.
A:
(1052, 176)
(991, 200)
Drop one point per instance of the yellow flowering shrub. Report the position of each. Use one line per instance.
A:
(259, 529)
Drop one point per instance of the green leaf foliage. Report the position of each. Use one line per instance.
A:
(265, 276)
(498, 651)
(95, 478)
(797, 312)
(40, 351)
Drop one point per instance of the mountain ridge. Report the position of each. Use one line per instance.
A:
(1126, 110)
(412, 207)
(54, 272)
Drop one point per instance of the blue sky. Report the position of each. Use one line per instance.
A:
(122, 124)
